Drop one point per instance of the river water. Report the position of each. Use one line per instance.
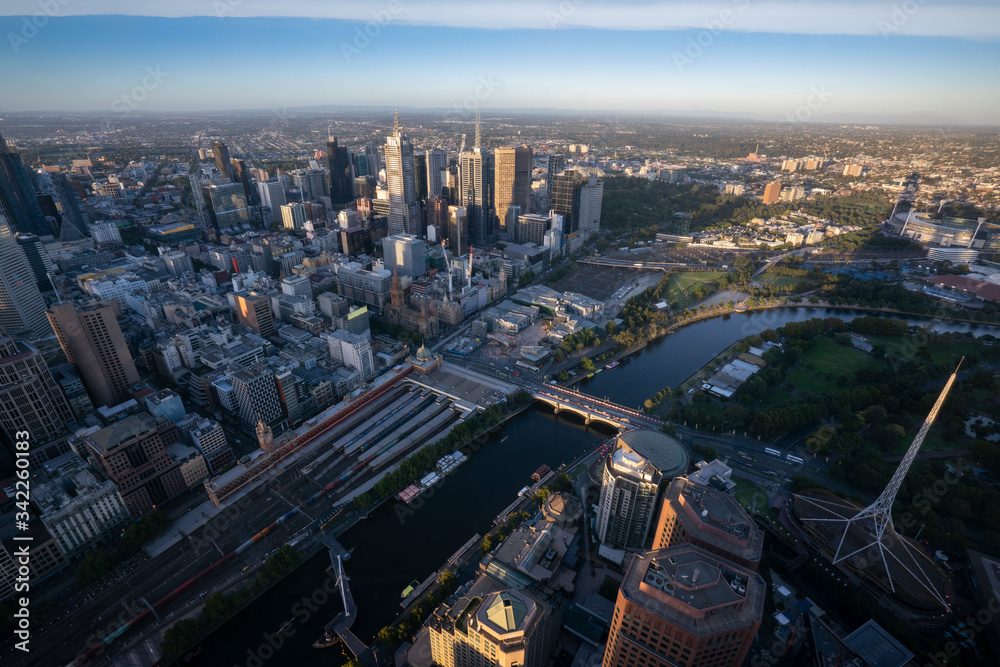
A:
(397, 544)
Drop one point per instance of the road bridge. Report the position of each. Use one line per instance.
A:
(593, 409)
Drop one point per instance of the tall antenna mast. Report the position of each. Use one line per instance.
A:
(395, 123)
(478, 145)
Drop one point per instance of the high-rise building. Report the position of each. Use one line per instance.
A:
(406, 254)
(372, 160)
(567, 191)
(253, 309)
(490, 628)
(297, 285)
(557, 162)
(223, 161)
(513, 185)
(476, 173)
(709, 519)
(293, 216)
(241, 175)
(420, 175)
(133, 453)
(210, 440)
(531, 228)
(30, 399)
(404, 211)
(93, 342)
(70, 204)
(355, 241)
(351, 350)
(771, 192)
(271, 195)
(684, 606)
(22, 307)
(106, 235)
(437, 160)
(630, 485)
(436, 210)
(93, 513)
(457, 231)
(364, 287)
(359, 160)
(227, 205)
(17, 195)
(341, 176)
(256, 394)
(177, 262)
(591, 197)
(38, 259)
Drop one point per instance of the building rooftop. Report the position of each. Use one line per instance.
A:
(128, 428)
(663, 452)
(695, 590)
(716, 518)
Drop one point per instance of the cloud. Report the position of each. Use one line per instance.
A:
(968, 19)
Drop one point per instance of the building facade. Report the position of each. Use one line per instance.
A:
(30, 399)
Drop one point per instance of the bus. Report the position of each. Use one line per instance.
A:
(794, 459)
(772, 452)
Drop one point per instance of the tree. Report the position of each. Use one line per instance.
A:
(586, 365)
(179, 636)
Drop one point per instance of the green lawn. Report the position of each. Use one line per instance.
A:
(781, 281)
(752, 500)
(803, 380)
(775, 397)
(827, 356)
(682, 285)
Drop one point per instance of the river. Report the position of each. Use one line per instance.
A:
(395, 546)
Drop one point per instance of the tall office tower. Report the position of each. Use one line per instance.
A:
(293, 216)
(351, 350)
(38, 259)
(359, 161)
(271, 195)
(406, 254)
(341, 179)
(491, 628)
(364, 187)
(210, 440)
(241, 175)
(372, 160)
(630, 483)
(476, 173)
(709, 519)
(70, 203)
(256, 394)
(93, 342)
(684, 606)
(437, 160)
(591, 197)
(17, 195)
(772, 192)
(312, 183)
(436, 211)
(106, 234)
(457, 231)
(557, 162)
(22, 307)
(227, 205)
(133, 453)
(420, 175)
(531, 228)
(567, 191)
(253, 309)
(223, 161)
(513, 185)
(404, 212)
(30, 398)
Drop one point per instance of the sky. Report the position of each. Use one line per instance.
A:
(846, 61)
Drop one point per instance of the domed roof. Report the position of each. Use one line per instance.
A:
(423, 353)
(663, 452)
(563, 508)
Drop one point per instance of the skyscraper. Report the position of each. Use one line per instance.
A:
(420, 175)
(566, 190)
(254, 310)
(404, 212)
(17, 195)
(38, 259)
(457, 231)
(372, 160)
(556, 165)
(341, 178)
(437, 160)
(220, 152)
(30, 398)
(684, 606)
(133, 453)
(241, 175)
(70, 203)
(21, 304)
(405, 253)
(227, 205)
(513, 185)
(476, 174)
(93, 342)
(630, 484)
(771, 192)
(591, 197)
(360, 163)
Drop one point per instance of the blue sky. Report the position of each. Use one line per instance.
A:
(764, 59)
